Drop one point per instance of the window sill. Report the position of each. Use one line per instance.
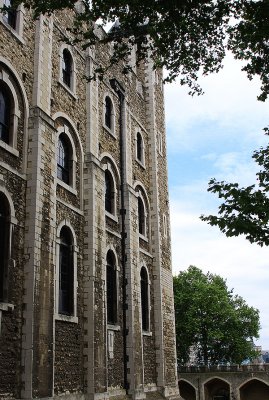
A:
(6, 306)
(111, 216)
(66, 318)
(67, 187)
(113, 327)
(9, 148)
(146, 333)
(142, 164)
(143, 237)
(108, 130)
(12, 31)
(68, 89)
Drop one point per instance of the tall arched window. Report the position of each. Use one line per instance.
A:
(64, 160)
(141, 217)
(67, 68)
(5, 114)
(111, 288)
(108, 112)
(144, 285)
(139, 148)
(4, 245)
(10, 17)
(66, 272)
(109, 192)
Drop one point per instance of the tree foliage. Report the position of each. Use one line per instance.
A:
(245, 210)
(217, 324)
(188, 38)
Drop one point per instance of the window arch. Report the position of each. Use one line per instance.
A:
(64, 159)
(111, 288)
(139, 148)
(144, 287)
(109, 192)
(4, 246)
(67, 68)
(66, 272)
(5, 114)
(109, 114)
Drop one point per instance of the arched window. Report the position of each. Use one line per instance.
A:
(141, 217)
(109, 192)
(144, 286)
(108, 113)
(4, 245)
(5, 115)
(67, 68)
(64, 160)
(10, 16)
(139, 148)
(111, 288)
(66, 272)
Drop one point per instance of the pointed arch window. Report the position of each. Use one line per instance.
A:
(4, 246)
(109, 192)
(5, 115)
(139, 148)
(64, 159)
(66, 272)
(111, 288)
(10, 16)
(144, 286)
(67, 68)
(108, 113)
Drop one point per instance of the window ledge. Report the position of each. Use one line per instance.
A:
(112, 216)
(143, 237)
(12, 31)
(113, 327)
(9, 148)
(146, 333)
(142, 164)
(68, 89)
(108, 130)
(6, 306)
(67, 187)
(66, 318)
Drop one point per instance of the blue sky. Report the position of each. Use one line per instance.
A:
(214, 135)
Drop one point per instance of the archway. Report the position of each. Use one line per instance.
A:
(254, 390)
(217, 389)
(186, 390)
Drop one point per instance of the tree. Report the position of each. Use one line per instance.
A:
(217, 324)
(245, 210)
(186, 37)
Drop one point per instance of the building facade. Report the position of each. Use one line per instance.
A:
(86, 299)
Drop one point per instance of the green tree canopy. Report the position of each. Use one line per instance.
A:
(217, 324)
(186, 37)
(245, 210)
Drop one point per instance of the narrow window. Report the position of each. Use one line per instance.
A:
(111, 288)
(108, 112)
(139, 147)
(141, 217)
(64, 163)
(10, 16)
(144, 299)
(5, 113)
(109, 192)
(67, 64)
(4, 245)
(66, 273)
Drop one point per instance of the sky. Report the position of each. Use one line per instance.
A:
(208, 136)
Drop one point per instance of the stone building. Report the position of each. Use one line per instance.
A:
(86, 300)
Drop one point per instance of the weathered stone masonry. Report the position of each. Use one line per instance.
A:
(87, 310)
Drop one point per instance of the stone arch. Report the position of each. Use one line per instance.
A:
(254, 389)
(216, 389)
(186, 390)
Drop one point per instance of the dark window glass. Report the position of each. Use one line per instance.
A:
(109, 192)
(5, 111)
(66, 273)
(144, 299)
(139, 147)
(10, 16)
(111, 288)
(63, 159)
(108, 112)
(141, 216)
(67, 67)
(4, 245)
